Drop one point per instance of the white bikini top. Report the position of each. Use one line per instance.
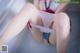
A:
(47, 18)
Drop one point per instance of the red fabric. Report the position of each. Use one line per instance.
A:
(48, 7)
(29, 24)
(49, 11)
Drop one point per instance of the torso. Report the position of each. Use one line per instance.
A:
(47, 18)
(48, 14)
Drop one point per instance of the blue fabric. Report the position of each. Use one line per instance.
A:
(46, 35)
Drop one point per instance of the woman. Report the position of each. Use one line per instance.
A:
(52, 17)
(60, 24)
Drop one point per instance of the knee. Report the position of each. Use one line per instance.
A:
(63, 15)
(32, 11)
(31, 7)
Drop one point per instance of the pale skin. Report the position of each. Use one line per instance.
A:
(61, 26)
(18, 23)
(60, 38)
(60, 8)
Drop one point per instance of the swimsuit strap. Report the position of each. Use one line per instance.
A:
(47, 7)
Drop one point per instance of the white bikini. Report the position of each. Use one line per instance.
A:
(47, 19)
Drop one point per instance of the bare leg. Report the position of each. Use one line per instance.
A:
(52, 38)
(60, 36)
(62, 26)
(36, 33)
(19, 23)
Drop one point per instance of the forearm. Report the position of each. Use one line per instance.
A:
(19, 22)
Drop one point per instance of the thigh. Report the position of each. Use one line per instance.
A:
(52, 37)
(62, 27)
(60, 36)
(36, 33)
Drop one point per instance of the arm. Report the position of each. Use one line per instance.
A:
(18, 23)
